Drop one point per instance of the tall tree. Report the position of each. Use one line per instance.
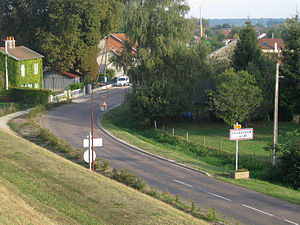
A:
(67, 32)
(159, 27)
(247, 49)
(236, 96)
(290, 85)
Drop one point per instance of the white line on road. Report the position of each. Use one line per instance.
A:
(218, 196)
(269, 214)
(291, 222)
(183, 183)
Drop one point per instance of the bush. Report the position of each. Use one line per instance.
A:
(75, 86)
(164, 100)
(30, 96)
(289, 160)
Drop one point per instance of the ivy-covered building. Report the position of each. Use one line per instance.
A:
(19, 66)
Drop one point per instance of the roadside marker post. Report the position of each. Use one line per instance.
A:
(239, 134)
(90, 155)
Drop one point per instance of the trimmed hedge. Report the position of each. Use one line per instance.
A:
(75, 86)
(30, 96)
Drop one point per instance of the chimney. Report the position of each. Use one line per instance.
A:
(13, 43)
(275, 47)
(6, 45)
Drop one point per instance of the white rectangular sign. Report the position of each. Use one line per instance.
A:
(241, 134)
(96, 143)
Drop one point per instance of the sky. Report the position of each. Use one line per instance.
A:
(219, 9)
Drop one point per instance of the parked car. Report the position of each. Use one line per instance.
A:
(122, 81)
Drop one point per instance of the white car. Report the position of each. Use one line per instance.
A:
(122, 81)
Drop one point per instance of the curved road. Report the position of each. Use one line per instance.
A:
(72, 122)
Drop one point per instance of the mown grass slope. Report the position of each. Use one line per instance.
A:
(39, 187)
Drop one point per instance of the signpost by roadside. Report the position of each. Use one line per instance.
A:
(239, 134)
(89, 155)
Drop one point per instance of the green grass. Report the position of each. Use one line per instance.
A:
(219, 162)
(38, 186)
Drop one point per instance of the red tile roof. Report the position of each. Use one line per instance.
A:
(116, 42)
(268, 44)
(70, 74)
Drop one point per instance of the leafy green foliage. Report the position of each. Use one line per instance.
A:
(290, 86)
(162, 101)
(67, 32)
(30, 96)
(236, 96)
(246, 50)
(75, 86)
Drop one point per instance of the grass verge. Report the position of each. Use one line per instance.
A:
(208, 158)
(28, 127)
(38, 186)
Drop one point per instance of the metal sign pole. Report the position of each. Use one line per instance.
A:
(90, 150)
(236, 149)
(236, 154)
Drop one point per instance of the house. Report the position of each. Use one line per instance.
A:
(19, 66)
(57, 81)
(115, 44)
(275, 45)
(225, 53)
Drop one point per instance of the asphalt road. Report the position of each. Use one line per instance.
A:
(73, 122)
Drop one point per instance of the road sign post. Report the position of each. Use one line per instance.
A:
(239, 134)
(90, 155)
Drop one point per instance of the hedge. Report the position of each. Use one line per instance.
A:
(30, 96)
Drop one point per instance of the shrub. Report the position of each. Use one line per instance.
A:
(75, 86)
(30, 96)
(164, 100)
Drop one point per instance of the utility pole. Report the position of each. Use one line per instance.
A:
(275, 129)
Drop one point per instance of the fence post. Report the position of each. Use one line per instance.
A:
(204, 142)
(187, 136)
(155, 127)
(163, 127)
(173, 132)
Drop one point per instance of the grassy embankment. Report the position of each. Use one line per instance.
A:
(219, 157)
(40, 187)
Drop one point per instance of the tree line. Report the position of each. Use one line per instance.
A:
(66, 32)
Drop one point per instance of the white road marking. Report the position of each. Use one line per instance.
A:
(269, 214)
(218, 196)
(291, 222)
(183, 183)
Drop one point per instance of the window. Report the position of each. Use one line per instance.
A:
(36, 85)
(36, 68)
(23, 70)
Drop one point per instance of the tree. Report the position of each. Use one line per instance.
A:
(290, 85)
(159, 28)
(67, 32)
(247, 49)
(236, 96)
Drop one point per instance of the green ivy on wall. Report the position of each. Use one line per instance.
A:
(14, 72)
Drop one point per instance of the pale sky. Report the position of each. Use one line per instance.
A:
(215, 9)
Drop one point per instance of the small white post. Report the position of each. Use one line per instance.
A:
(173, 132)
(187, 136)
(236, 150)
(155, 127)
(90, 150)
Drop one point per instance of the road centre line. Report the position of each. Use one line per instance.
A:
(218, 196)
(183, 183)
(269, 214)
(291, 222)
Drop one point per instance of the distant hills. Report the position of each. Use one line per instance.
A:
(240, 22)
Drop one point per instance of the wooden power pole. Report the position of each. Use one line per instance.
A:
(275, 129)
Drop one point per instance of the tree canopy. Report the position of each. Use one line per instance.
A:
(236, 96)
(67, 32)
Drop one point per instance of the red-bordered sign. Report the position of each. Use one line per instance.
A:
(241, 134)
